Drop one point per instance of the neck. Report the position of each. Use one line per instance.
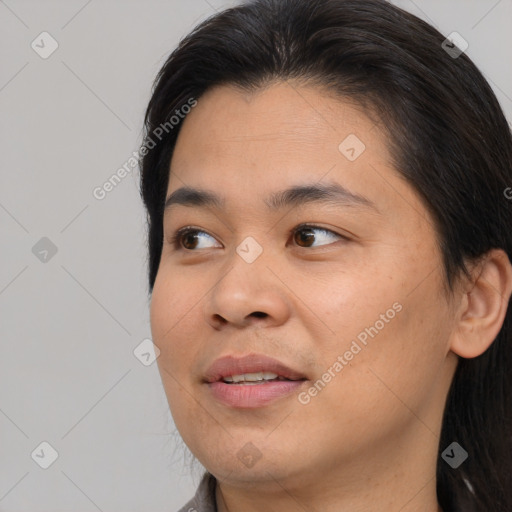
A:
(396, 479)
(230, 499)
(234, 500)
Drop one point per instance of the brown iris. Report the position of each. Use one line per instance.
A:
(305, 235)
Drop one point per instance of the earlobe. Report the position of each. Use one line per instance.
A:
(483, 306)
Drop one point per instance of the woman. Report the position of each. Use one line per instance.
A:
(329, 261)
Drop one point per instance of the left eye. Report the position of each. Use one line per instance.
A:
(305, 234)
(190, 238)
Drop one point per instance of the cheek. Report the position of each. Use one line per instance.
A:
(390, 368)
(386, 334)
(172, 317)
(174, 314)
(354, 303)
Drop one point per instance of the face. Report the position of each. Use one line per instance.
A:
(340, 281)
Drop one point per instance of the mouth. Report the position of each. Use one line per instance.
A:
(253, 368)
(251, 381)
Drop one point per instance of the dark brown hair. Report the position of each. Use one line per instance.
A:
(448, 137)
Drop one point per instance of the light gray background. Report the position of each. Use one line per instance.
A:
(69, 326)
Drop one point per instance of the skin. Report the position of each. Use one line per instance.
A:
(369, 439)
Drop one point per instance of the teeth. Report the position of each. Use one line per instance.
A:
(251, 377)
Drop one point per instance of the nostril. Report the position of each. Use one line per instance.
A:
(220, 319)
(259, 314)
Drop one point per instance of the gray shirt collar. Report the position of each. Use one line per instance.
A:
(204, 498)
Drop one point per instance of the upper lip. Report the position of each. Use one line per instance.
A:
(252, 363)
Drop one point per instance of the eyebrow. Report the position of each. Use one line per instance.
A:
(331, 194)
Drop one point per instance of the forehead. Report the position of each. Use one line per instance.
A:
(247, 146)
(283, 114)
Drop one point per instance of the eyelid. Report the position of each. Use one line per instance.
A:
(175, 238)
(320, 228)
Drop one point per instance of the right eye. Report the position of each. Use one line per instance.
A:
(187, 238)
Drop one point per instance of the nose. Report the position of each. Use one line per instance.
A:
(247, 294)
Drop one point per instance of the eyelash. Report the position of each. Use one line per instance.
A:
(177, 237)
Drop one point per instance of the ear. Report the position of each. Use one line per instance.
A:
(483, 305)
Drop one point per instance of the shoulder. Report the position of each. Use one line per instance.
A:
(204, 498)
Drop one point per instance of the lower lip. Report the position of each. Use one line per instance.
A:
(253, 395)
